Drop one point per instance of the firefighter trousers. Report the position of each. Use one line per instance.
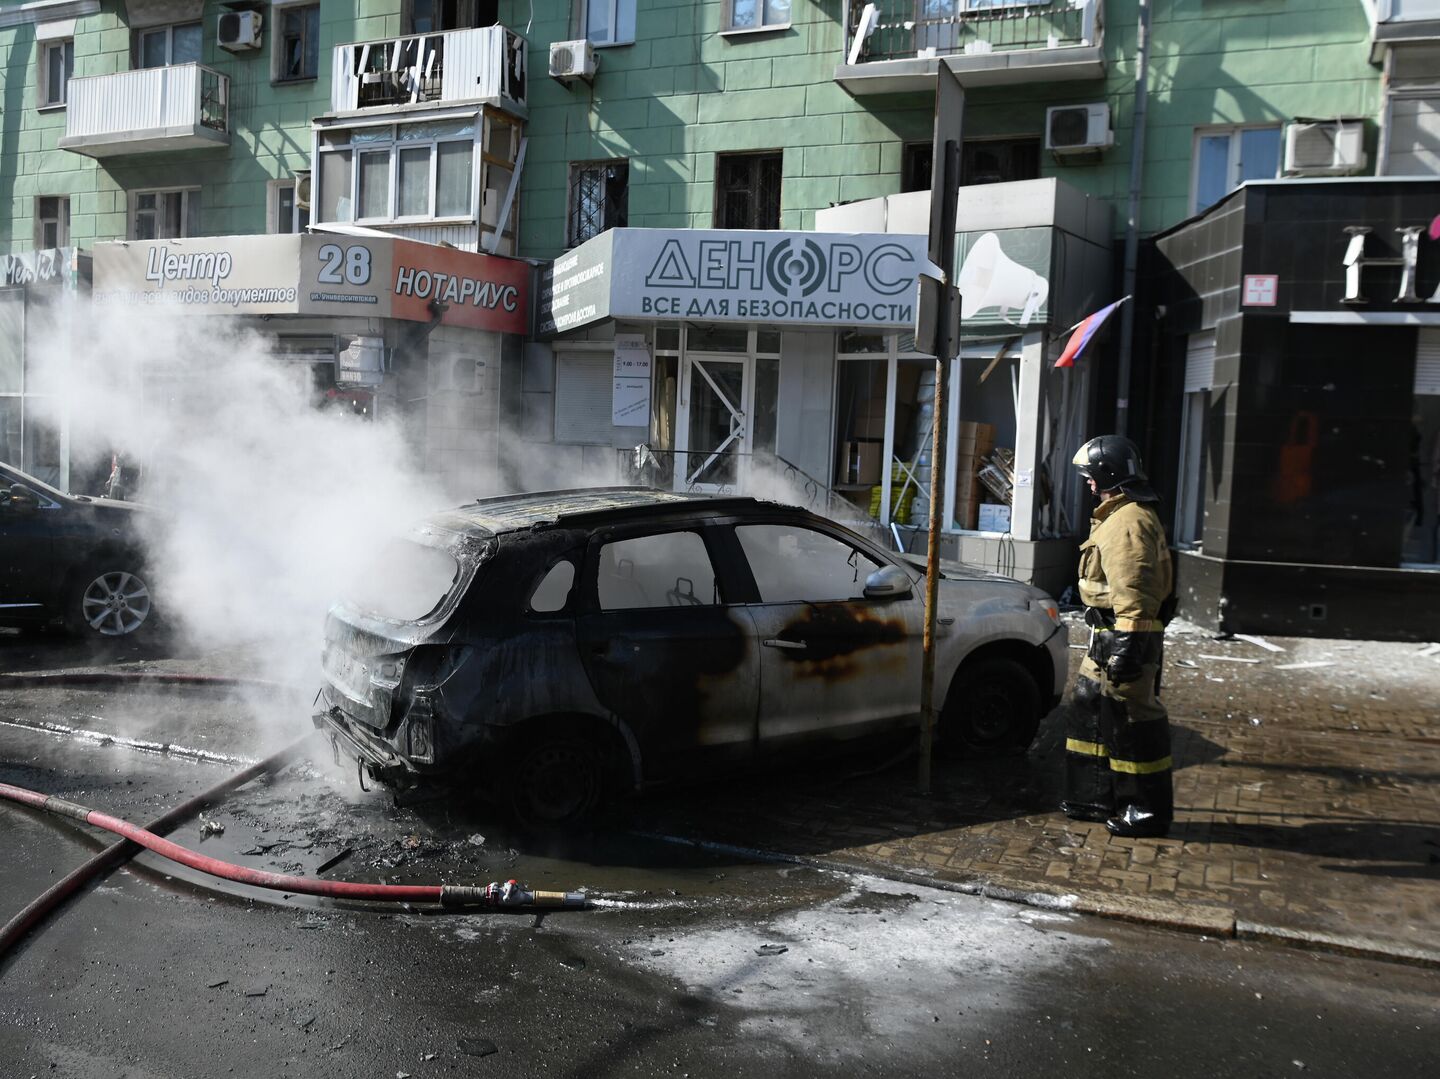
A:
(1117, 736)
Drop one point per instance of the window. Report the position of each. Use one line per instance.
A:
(982, 161)
(553, 591)
(165, 215)
(52, 221)
(162, 46)
(669, 570)
(792, 564)
(747, 191)
(428, 16)
(57, 67)
(1194, 414)
(757, 14)
(610, 22)
(298, 43)
(599, 198)
(412, 171)
(287, 214)
(1226, 157)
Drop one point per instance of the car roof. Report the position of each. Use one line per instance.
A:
(587, 506)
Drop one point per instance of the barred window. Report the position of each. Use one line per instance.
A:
(747, 191)
(599, 198)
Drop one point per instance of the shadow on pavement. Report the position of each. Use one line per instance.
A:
(32, 651)
(1388, 848)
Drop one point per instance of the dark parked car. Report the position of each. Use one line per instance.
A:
(70, 559)
(547, 649)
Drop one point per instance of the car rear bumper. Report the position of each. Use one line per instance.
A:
(375, 757)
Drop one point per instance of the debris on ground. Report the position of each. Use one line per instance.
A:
(1314, 663)
(477, 1047)
(1187, 663)
(217, 985)
(332, 862)
(476, 840)
(257, 990)
(211, 827)
(1230, 659)
(771, 949)
(1259, 642)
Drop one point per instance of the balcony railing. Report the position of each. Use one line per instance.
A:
(179, 107)
(994, 41)
(457, 65)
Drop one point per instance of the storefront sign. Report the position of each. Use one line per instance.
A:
(775, 278)
(313, 274)
(630, 399)
(32, 267)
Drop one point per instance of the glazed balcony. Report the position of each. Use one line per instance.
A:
(152, 110)
(894, 46)
(485, 64)
(1400, 22)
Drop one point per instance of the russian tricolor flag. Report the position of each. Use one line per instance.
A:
(1085, 330)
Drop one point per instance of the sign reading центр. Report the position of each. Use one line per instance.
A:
(710, 275)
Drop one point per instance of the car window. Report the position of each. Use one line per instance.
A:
(792, 564)
(406, 582)
(672, 569)
(553, 591)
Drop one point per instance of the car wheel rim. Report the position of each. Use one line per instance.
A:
(559, 783)
(115, 604)
(991, 717)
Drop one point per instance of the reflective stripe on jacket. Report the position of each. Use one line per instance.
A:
(1125, 564)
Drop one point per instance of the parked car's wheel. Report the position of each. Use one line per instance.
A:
(557, 781)
(109, 601)
(993, 705)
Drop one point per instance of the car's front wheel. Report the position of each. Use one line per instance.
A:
(993, 705)
(557, 781)
(108, 601)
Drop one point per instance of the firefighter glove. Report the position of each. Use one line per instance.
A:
(1124, 664)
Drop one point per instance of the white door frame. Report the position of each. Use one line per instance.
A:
(742, 430)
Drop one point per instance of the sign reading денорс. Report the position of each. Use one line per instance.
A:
(713, 275)
(373, 277)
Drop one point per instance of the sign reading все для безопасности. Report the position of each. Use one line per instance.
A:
(710, 275)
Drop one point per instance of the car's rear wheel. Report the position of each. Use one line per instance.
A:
(993, 706)
(557, 781)
(108, 601)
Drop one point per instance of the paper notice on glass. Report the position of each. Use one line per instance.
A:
(630, 403)
(632, 356)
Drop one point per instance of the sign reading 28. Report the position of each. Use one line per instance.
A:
(350, 265)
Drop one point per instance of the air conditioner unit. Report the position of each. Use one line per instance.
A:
(1325, 148)
(570, 60)
(302, 190)
(238, 31)
(1077, 129)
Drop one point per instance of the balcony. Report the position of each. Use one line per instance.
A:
(182, 107)
(894, 46)
(486, 64)
(1401, 22)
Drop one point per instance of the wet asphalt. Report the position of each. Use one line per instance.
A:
(693, 963)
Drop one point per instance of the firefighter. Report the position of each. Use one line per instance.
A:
(1117, 744)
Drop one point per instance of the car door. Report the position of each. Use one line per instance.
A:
(28, 575)
(832, 662)
(665, 649)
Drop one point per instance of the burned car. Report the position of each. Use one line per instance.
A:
(70, 559)
(547, 649)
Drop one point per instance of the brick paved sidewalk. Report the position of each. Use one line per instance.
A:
(1308, 806)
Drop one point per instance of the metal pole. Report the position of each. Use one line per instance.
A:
(1132, 224)
(944, 199)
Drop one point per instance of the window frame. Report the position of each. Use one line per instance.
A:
(392, 147)
(66, 47)
(137, 47)
(855, 543)
(61, 221)
(189, 204)
(274, 211)
(756, 156)
(729, 29)
(1232, 162)
(577, 168)
(714, 554)
(615, 8)
(279, 10)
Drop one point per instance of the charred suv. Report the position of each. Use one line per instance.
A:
(546, 649)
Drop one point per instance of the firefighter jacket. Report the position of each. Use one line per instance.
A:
(1125, 564)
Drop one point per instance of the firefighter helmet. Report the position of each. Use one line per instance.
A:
(1113, 462)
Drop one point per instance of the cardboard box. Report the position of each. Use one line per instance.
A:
(859, 461)
(965, 514)
(994, 518)
(976, 432)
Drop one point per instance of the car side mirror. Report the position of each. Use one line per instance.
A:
(22, 499)
(887, 582)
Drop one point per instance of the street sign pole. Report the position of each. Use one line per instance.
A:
(944, 197)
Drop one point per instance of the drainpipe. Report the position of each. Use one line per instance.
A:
(1132, 222)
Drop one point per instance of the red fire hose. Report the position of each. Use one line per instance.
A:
(509, 894)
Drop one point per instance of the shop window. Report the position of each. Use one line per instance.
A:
(610, 22)
(419, 171)
(669, 570)
(792, 564)
(747, 190)
(599, 198)
(757, 14)
(715, 337)
(164, 215)
(982, 161)
(57, 67)
(1227, 157)
(163, 46)
(52, 221)
(1194, 414)
(860, 429)
(428, 16)
(297, 42)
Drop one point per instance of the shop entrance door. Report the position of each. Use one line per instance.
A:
(713, 438)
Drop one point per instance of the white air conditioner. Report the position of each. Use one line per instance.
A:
(1325, 148)
(1076, 129)
(238, 31)
(302, 190)
(570, 60)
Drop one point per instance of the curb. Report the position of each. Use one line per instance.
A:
(1199, 919)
